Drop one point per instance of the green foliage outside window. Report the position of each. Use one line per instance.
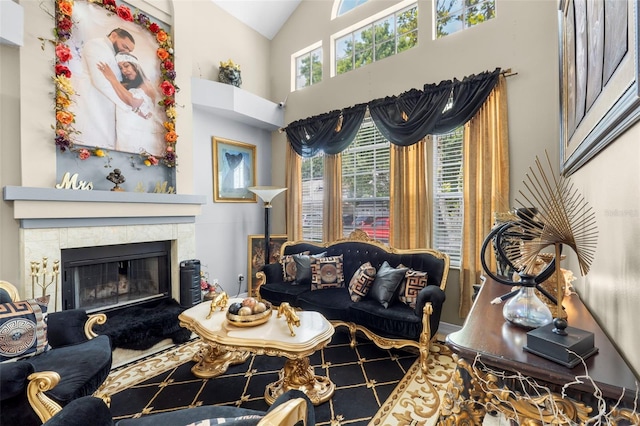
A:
(456, 15)
(309, 69)
(381, 39)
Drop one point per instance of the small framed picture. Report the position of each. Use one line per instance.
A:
(256, 256)
(234, 171)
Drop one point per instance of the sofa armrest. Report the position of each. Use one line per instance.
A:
(435, 296)
(71, 327)
(87, 410)
(13, 377)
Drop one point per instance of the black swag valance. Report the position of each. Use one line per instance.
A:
(403, 120)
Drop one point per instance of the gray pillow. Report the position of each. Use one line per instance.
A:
(386, 283)
(303, 267)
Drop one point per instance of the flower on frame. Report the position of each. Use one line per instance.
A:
(84, 153)
(63, 70)
(124, 12)
(64, 117)
(63, 53)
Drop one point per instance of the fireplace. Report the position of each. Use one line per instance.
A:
(108, 277)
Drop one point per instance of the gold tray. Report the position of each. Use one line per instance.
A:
(250, 320)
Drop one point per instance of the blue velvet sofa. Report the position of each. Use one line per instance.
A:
(75, 363)
(394, 324)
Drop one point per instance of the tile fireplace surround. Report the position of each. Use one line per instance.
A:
(52, 220)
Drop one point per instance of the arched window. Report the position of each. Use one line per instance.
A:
(341, 7)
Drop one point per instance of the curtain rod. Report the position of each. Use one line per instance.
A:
(508, 73)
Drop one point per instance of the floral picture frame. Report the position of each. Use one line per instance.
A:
(234, 171)
(255, 256)
(154, 46)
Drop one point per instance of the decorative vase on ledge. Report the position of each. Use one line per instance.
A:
(229, 73)
(525, 309)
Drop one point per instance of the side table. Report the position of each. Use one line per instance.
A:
(494, 372)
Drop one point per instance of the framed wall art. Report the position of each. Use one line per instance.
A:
(256, 256)
(234, 171)
(115, 82)
(599, 91)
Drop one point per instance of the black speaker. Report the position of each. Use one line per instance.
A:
(190, 293)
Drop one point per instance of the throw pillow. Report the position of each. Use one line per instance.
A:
(326, 272)
(361, 281)
(413, 282)
(386, 283)
(289, 267)
(22, 328)
(303, 266)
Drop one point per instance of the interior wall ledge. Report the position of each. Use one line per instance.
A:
(11, 23)
(236, 104)
(24, 193)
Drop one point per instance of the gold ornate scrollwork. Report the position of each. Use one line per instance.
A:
(290, 316)
(39, 383)
(467, 403)
(91, 322)
(220, 301)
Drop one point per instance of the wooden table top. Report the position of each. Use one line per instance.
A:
(500, 344)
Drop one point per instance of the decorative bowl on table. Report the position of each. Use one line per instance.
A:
(248, 313)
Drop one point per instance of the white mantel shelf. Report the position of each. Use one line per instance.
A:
(40, 203)
(236, 104)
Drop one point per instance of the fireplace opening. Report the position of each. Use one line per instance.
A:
(108, 277)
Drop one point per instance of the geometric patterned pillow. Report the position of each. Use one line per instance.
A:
(361, 281)
(326, 272)
(289, 267)
(22, 328)
(414, 281)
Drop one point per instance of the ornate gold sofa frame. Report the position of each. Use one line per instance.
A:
(398, 326)
(39, 381)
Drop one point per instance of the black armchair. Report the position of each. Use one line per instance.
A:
(291, 408)
(76, 364)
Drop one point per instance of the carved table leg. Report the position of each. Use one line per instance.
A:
(213, 362)
(298, 374)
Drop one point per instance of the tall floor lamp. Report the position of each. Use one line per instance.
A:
(267, 193)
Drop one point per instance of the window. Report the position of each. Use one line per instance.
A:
(312, 196)
(365, 187)
(366, 183)
(347, 5)
(377, 40)
(308, 68)
(447, 194)
(455, 15)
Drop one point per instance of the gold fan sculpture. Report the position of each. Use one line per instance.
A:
(566, 218)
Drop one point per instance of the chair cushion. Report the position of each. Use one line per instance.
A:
(280, 292)
(23, 331)
(399, 320)
(83, 367)
(333, 303)
(190, 415)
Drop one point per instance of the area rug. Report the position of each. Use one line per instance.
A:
(373, 386)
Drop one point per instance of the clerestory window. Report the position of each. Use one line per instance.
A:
(308, 67)
(455, 15)
(376, 39)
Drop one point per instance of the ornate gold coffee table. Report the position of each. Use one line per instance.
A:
(230, 344)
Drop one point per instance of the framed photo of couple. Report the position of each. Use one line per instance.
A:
(116, 74)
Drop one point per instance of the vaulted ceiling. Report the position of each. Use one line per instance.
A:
(264, 16)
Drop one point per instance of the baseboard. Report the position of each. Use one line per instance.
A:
(446, 328)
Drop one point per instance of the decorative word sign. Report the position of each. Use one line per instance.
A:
(162, 188)
(72, 182)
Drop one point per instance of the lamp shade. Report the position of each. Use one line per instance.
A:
(266, 193)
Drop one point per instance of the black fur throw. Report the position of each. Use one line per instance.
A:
(142, 326)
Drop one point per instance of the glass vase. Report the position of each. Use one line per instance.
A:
(525, 309)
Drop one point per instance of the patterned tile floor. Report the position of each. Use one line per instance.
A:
(364, 377)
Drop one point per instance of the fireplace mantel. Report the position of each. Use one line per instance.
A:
(51, 203)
